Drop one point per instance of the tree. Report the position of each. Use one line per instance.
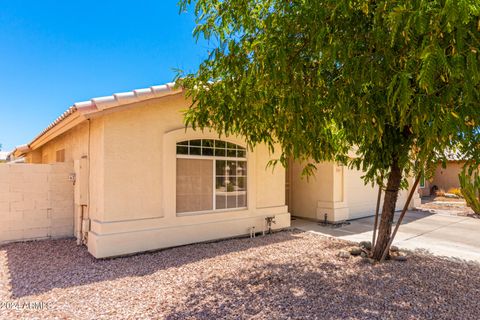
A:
(470, 184)
(396, 81)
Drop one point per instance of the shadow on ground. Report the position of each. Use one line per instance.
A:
(287, 275)
(36, 267)
(419, 289)
(361, 225)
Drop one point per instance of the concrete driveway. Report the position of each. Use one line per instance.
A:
(440, 234)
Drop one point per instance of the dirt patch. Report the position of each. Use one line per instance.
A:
(284, 275)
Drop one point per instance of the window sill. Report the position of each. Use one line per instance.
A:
(198, 213)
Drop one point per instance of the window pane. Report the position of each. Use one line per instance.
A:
(196, 151)
(242, 200)
(196, 143)
(241, 153)
(241, 168)
(220, 167)
(207, 152)
(220, 144)
(182, 143)
(220, 201)
(232, 168)
(182, 150)
(231, 153)
(208, 143)
(220, 152)
(241, 183)
(194, 185)
(220, 192)
(231, 145)
(232, 199)
(220, 185)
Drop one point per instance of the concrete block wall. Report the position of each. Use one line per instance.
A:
(36, 201)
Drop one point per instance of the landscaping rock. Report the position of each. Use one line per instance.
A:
(394, 249)
(399, 258)
(366, 244)
(287, 275)
(369, 260)
(355, 251)
(344, 254)
(364, 255)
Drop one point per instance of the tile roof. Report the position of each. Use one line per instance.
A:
(115, 100)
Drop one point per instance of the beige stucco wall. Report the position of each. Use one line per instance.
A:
(307, 194)
(139, 177)
(78, 142)
(74, 142)
(335, 191)
(129, 161)
(36, 201)
(362, 199)
(444, 178)
(447, 178)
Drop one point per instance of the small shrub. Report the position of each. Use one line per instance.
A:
(456, 191)
(470, 183)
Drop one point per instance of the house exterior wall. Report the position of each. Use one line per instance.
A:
(335, 192)
(362, 199)
(74, 142)
(139, 171)
(443, 178)
(447, 178)
(77, 143)
(36, 201)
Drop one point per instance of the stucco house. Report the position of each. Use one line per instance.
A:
(444, 178)
(143, 181)
(4, 156)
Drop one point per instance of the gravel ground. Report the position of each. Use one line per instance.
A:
(285, 275)
(451, 206)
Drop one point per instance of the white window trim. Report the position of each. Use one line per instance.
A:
(214, 175)
(168, 194)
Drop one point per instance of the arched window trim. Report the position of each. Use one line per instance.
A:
(214, 148)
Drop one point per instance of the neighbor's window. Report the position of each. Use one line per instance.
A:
(211, 175)
(60, 155)
(422, 181)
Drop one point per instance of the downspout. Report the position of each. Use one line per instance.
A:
(86, 216)
(84, 221)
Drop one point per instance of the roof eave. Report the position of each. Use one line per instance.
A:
(82, 111)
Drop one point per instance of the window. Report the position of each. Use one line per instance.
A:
(211, 175)
(60, 155)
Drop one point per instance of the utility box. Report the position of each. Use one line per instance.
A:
(81, 181)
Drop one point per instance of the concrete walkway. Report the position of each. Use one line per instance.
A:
(439, 234)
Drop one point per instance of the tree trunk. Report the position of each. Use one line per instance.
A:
(388, 210)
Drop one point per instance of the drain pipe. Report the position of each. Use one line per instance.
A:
(80, 227)
(85, 224)
(268, 224)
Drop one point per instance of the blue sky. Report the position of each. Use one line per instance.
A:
(55, 53)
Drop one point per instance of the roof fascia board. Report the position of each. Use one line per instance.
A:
(66, 124)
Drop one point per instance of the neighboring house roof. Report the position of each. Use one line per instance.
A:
(81, 111)
(454, 155)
